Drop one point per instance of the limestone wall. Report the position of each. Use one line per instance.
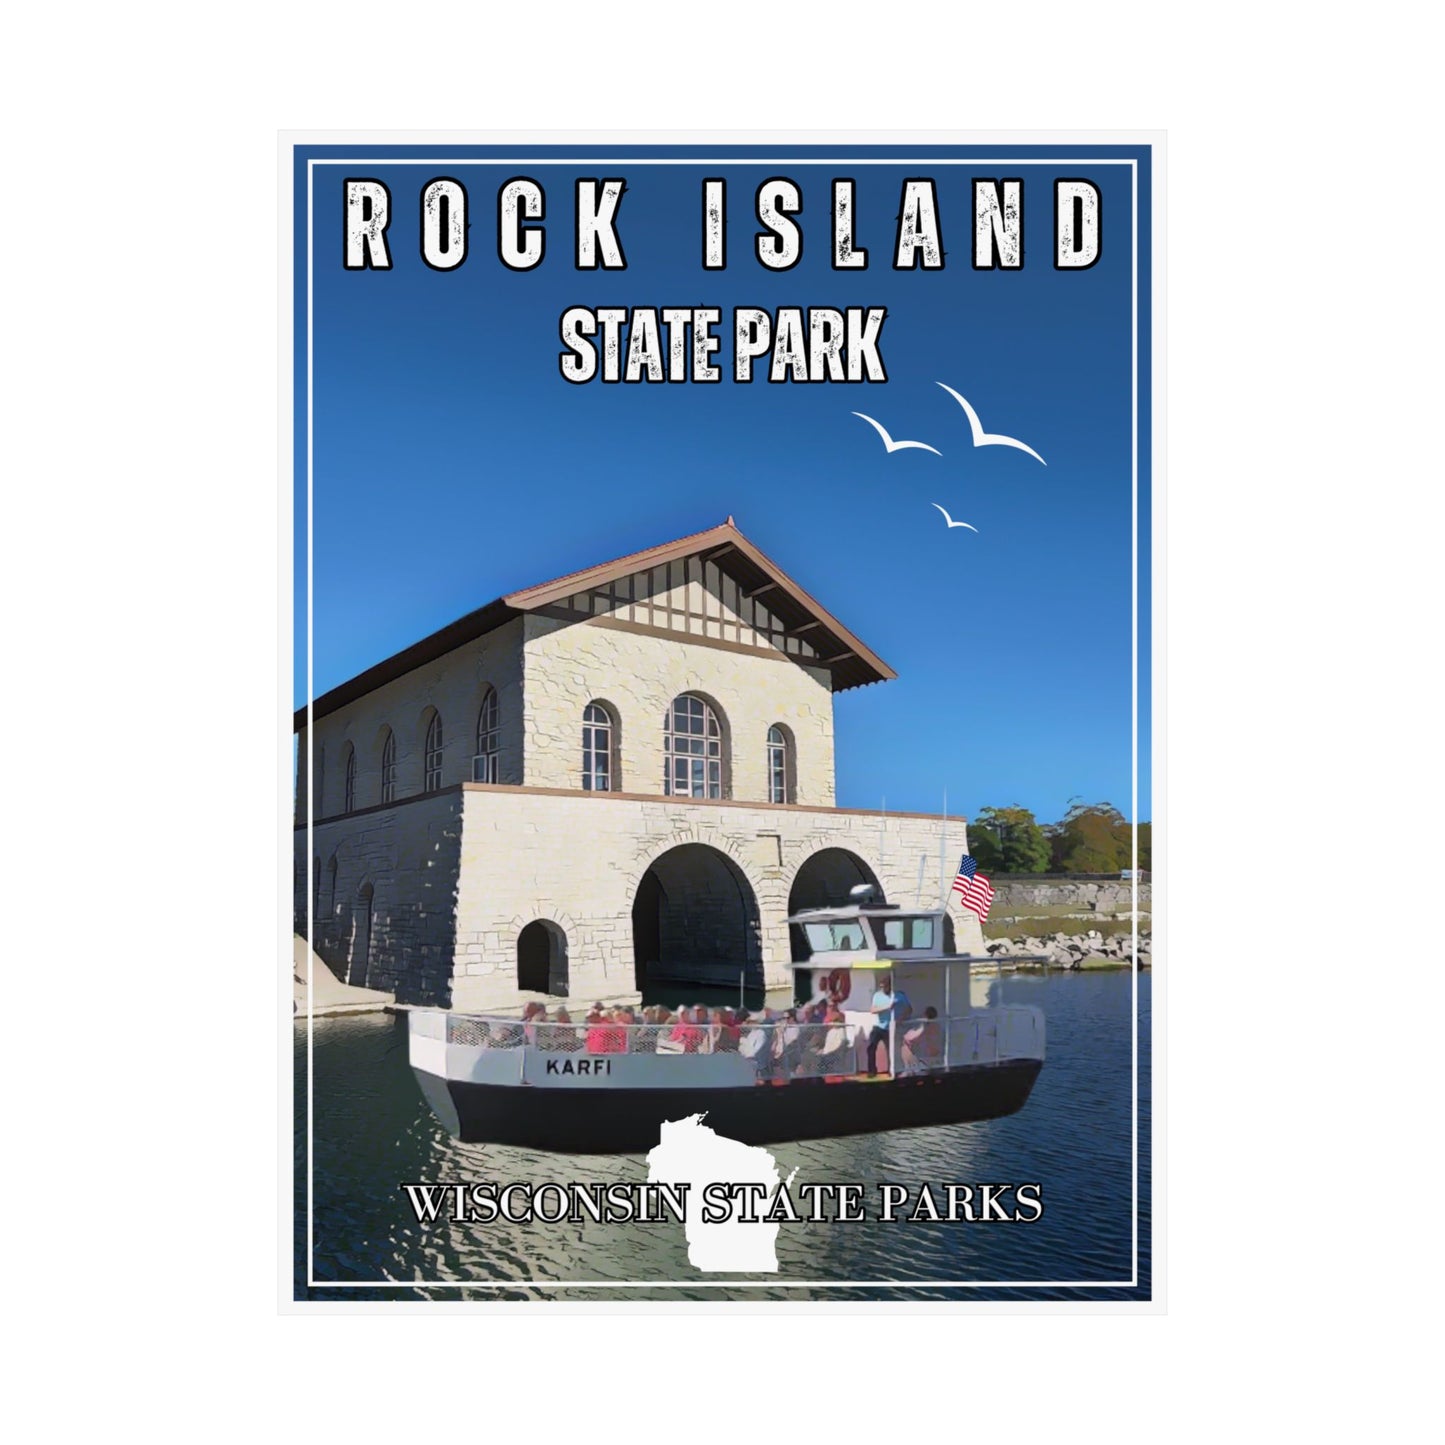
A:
(383, 895)
(453, 685)
(577, 861)
(569, 665)
(1077, 895)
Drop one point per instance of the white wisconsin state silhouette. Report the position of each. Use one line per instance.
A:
(690, 1153)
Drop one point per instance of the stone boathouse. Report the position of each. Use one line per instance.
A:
(621, 776)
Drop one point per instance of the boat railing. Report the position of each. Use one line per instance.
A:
(778, 1048)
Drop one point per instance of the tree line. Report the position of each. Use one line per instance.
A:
(1090, 838)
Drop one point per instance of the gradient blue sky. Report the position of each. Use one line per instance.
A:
(454, 464)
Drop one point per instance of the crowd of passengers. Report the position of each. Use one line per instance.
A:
(810, 1040)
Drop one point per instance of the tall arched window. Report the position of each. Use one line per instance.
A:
(349, 798)
(485, 765)
(692, 749)
(597, 741)
(388, 768)
(780, 766)
(432, 776)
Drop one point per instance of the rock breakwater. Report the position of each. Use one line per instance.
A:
(1077, 950)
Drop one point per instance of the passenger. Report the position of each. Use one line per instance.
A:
(506, 1034)
(644, 1039)
(835, 1052)
(685, 1035)
(535, 1013)
(615, 1034)
(883, 1003)
(789, 1047)
(597, 1030)
(755, 1042)
(727, 1034)
(923, 1044)
(702, 1017)
(559, 1036)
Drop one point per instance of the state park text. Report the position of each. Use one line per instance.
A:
(632, 344)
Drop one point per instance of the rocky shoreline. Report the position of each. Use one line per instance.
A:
(1077, 950)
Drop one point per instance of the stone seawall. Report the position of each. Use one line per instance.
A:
(1020, 897)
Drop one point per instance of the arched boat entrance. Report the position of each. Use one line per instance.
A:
(823, 882)
(695, 920)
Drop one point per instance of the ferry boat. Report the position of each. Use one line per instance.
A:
(606, 1087)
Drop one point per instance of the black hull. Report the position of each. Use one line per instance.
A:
(613, 1121)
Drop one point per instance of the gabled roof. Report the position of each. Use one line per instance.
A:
(850, 660)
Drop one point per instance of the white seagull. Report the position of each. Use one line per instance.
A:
(982, 438)
(894, 446)
(950, 520)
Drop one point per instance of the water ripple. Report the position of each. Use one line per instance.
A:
(373, 1131)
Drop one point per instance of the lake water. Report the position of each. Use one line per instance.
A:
(372, 1130)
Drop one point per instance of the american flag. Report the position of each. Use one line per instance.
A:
(973, 889)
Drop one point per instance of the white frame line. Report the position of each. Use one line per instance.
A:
(535, 161)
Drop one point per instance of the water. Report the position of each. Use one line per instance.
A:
(373, 1131)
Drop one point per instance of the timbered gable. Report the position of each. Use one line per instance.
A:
(693, 597)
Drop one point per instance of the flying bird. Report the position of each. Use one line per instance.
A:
(894, 446)
(982, 438)
(950, 520)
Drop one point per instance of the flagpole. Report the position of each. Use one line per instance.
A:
(942, 863)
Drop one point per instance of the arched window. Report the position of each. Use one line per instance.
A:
(780, 765)
(597, 743)
(349, 798)
(388, 768)
(692, 749)
(485, 764)
(432, 778)
(332, 870)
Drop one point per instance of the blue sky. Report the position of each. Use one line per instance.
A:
(454, 464)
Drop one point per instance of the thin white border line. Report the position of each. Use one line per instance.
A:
(749, 1284)
(310, 738)
(1133, 1281)
(1134, 733)
(716, 161)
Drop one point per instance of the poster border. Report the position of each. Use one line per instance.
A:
(292, 148)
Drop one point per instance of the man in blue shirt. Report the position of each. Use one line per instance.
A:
(886, 1006)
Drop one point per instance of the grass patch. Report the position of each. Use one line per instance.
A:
(1036, 926)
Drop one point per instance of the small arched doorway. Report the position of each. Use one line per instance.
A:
(823, 882)
(362, 913)
(542, 959)
(695, 920)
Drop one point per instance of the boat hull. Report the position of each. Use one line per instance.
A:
(588, 1121)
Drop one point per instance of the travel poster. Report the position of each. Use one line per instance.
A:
(722, 832)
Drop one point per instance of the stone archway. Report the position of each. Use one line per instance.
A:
(823, 881)
(542, 959)
(363, 914)
(695, 919)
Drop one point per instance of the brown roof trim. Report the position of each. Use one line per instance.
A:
(726, 536)
(730, 551)
(604, 572)
(448, 639)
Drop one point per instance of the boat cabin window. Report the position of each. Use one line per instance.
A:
(905, 932)
(832, 937)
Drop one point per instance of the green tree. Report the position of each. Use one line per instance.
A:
(1008, 840)
(1093, 838)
